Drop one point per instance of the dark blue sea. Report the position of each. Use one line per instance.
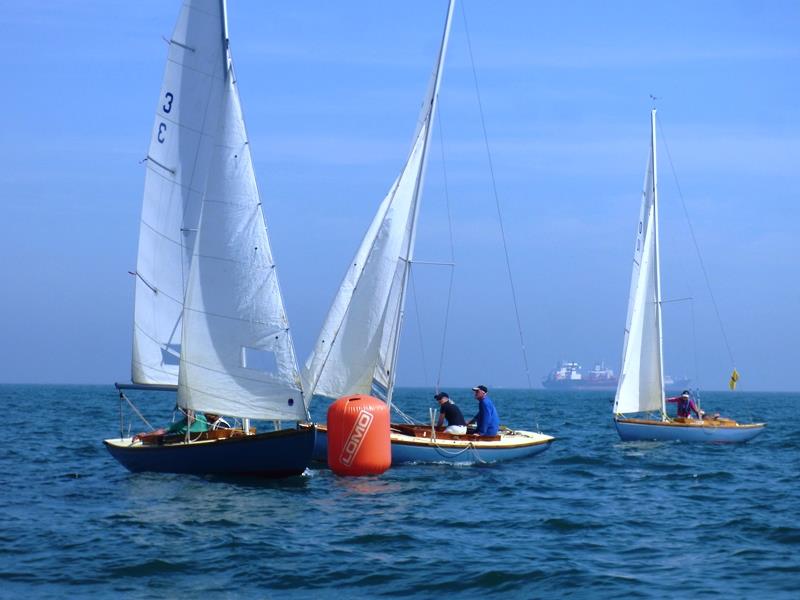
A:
(590, 518)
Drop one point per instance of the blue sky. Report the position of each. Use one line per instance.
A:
(331, 92)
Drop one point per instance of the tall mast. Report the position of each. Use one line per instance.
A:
(657, 262)
(223, 11)
(431, 100)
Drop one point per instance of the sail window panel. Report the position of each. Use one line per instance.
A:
(159, 296)
(259, 359)
(157, 324)
(157, 320)
(171, 354)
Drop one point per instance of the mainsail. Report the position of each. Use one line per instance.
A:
(237, 354)
(187, 119)
(641, 382)
(356, 351)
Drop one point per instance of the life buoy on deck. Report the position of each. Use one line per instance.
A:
(358, 436)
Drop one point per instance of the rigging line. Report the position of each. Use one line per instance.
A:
(452, 254)
(419, 327)
(407, 419)
(136, 410)
(696, 245)
(497, 201)
(694, 348)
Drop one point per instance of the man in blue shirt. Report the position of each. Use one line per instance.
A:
(487, 422)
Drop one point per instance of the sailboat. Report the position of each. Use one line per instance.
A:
(641, 384)
(357, 349)
(209, 319)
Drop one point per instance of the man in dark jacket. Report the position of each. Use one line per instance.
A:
(448, 410)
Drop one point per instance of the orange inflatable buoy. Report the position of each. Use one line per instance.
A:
(358, 436)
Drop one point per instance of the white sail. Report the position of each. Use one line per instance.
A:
(177, 165)
(237, 354)
(356, 351)
(641, 386)
(355, 339)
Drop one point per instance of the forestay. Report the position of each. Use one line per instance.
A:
(237, 355)
(356, 351)
(641, 385)
(177, 165)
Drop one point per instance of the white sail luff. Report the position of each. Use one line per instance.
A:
(177, 165)
(357, 346)
(641, 383)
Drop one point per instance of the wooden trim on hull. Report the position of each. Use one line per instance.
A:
(400, 439)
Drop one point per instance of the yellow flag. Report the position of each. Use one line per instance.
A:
(734, 379)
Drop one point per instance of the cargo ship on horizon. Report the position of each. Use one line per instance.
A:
(568, 376)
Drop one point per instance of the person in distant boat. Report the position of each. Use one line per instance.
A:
(686, 405)
(448, 410)
(486, 421)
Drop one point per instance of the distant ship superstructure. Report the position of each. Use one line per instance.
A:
(568, 376)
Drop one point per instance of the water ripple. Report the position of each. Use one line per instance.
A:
(592, 517)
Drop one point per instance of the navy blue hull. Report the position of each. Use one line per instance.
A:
(274, 454)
